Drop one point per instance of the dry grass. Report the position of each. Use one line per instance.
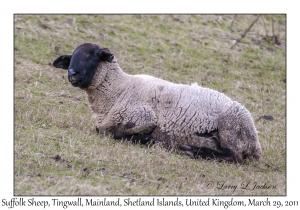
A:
(57, 151)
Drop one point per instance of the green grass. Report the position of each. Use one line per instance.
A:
(53, 118)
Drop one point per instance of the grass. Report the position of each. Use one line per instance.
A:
(56, 148)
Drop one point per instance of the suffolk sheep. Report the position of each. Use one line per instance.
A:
(189, 119)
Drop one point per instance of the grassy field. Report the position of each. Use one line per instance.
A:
(56, 148)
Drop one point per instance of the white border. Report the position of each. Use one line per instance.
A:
(153, 6)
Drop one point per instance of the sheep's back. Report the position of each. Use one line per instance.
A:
(192, 110)
(182, 109)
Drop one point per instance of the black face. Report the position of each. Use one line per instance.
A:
(82, 64)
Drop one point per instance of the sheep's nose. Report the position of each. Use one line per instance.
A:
(72, 72)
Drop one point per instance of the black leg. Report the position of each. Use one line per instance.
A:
(119, 133)
(210, 154)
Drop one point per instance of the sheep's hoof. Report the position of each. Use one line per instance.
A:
(185, 148)
(187, 153)
(97, 130)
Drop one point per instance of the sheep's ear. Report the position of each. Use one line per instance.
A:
(105, 55)
(62, 61)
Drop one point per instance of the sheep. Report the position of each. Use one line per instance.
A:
(189, 119)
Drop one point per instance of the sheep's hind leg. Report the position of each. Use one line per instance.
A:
(207, 153)
(227, 152)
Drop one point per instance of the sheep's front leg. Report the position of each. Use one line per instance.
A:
(122, 132)
(135, 124)
(105, 126)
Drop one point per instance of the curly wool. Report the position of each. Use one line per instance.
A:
(175, 114)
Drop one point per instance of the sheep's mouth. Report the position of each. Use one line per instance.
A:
(75, 82)
(81, 83)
